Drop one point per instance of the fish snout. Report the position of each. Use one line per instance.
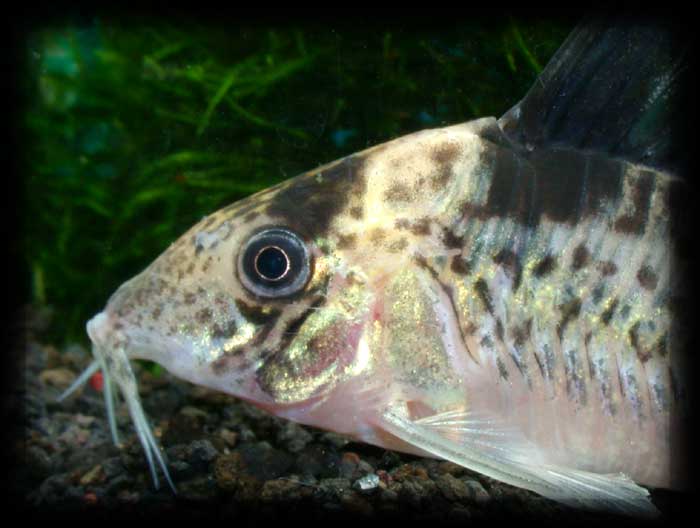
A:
(101, 327)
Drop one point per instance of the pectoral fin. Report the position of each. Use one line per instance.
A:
(488, 446)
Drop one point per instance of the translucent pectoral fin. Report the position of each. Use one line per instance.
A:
(490, 447)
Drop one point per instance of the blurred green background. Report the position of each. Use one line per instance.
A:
(136, 128)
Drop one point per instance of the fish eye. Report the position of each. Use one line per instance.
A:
(274, 263)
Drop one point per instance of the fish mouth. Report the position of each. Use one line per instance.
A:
(100, 327)
(107, 330)
(109, 348)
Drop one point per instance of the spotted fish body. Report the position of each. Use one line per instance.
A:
(502, 304)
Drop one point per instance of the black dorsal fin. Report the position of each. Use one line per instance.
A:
(615, 87)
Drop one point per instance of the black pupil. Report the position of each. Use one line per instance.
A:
(272, 263)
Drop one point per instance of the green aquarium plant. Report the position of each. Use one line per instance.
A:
(138, 128)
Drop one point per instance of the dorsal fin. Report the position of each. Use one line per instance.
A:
(612, 87)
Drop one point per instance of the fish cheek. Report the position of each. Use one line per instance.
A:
(415, 340)
(322, 355)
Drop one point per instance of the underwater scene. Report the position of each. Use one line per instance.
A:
(137, 129)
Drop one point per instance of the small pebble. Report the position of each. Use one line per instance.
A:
(348, 466)
(39, 462)
(294, 437)
(128, 496)
(451, 468)
(356, 504)
(84, 420)
(60, 377)
(384, 477)
(452, 488)
(112, 467)
(479, 494)
(229, 437)
(90, 498)
(53, 357)
(367, 483)
(364, 468)
(93, 476)
(202, 452)
(335, 486)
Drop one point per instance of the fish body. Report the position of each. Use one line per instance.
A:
(473, 293)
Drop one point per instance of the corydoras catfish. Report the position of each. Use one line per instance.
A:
(497, 293)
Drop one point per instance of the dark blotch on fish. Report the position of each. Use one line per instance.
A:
(606, 316)
(421, 227)
(522, 333)
(402, 223)
(575, 384)
(209, 221)
(227, 330)
(423, 263)
(502, 370)
(203, 316)
(662, 345)
(276, 362)
(220, 366)
(451, 240)
(377, 235)
(398, 245)
(545, 266)
(570, 311)
(251, 216)
(398, 193)
(294, 325)
(597, 293)
(441, 178)
(189, 298)
(320, 196)
(356, 213)
(547, 182)
(642, 355)
(347, 241)
(540, 366)
(522, 367)
(511, 264)
(499, 330)
(446, 153)
(444, 156)
(460, 266)
(482, 290)
(255, 314)
(581, 257)
(607, 268)
(647, 278)
(625, 311)
(641, 197)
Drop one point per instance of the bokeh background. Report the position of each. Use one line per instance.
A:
(128, 130)
(135, 128)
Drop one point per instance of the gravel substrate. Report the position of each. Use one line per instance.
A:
(229, 459)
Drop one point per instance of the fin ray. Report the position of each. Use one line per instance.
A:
(618, 88)
(573, 487)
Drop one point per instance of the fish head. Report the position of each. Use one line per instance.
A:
(281, 298)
